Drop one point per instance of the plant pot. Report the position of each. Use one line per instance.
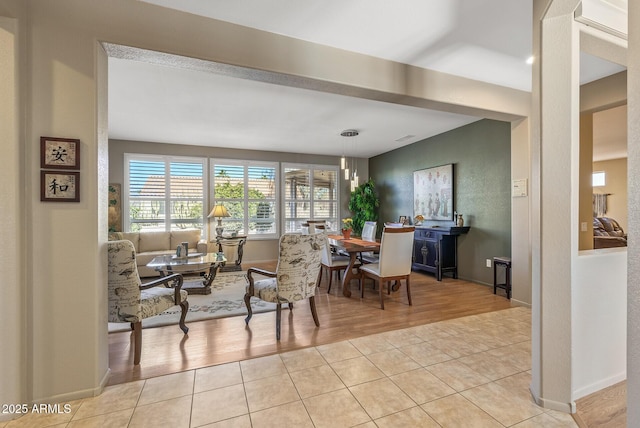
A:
(346, 233)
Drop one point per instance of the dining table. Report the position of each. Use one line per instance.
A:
(352, 246)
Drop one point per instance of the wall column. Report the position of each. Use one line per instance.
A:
(12, 311)
(558, 207)
(633, 250)
(521, 213)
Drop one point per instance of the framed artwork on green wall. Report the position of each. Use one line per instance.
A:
(433, 193)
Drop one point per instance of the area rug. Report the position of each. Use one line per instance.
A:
(226, 300)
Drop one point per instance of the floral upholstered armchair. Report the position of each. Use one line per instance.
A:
(296, 277)
(130, 301)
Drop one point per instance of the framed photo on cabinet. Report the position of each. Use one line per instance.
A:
(59, 153)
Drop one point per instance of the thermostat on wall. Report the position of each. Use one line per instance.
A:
(519, 188)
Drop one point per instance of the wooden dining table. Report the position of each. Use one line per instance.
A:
(353, 246)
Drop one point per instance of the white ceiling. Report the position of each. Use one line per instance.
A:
(150, 102)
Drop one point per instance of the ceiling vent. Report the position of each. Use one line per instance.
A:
(405, 138)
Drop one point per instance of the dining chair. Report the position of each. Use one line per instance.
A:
(130, 301)
(333, 262)
(392, 224)
(313, 226)
(369, 234)
(296, 277)
(396, 250)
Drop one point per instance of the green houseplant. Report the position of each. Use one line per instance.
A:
(364, 205)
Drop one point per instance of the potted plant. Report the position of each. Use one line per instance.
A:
(364, 205)
(347, 226)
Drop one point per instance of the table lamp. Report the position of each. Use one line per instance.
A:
(219, 211)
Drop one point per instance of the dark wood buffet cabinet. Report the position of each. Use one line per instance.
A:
(435, 249)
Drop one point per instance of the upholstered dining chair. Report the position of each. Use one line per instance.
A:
(396, 250)
(131, 301)
(369, 234)
(333, 262)
(296, 276)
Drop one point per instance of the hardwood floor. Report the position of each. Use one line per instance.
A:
(606, 408)
(166, 350)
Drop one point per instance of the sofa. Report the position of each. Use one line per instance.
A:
(607, 233)
(151, 244)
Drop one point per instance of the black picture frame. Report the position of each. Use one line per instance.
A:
(433, 193)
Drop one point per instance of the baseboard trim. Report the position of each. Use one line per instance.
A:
(76, 395)
(103, 383)
(556, 405)
(594, 387)
(520, 303)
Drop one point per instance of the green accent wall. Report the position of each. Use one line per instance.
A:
(481, 154)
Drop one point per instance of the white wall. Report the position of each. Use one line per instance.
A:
(579, 336)
(521, 214)
(13, 301)
(633, 165)
(599, 316)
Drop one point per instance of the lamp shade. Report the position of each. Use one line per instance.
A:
(219, 211)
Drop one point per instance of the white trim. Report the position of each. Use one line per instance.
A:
(555, 405)
(246, 164)
(310, 168)
(167, 160)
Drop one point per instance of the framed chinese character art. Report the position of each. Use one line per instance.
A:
(59, 153)
(59, 186)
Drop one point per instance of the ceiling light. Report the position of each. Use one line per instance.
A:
(349, 133)
(530, 59)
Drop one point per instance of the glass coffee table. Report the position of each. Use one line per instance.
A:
(205, 266)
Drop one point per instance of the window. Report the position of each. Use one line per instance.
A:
(598, 179)
(248, 190)
(310, 192)
(163, 192)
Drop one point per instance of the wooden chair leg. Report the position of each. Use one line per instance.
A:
(330, 278)
(247, 302)
(184, 305)
(278, 318)
(381, 295)
(290, 305)
(320, 275)
(137, 342)
(314, 313)
(408, 291)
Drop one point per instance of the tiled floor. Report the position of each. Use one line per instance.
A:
(467, 372)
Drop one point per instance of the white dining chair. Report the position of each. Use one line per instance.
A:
(333, 262)
(396, 250)
(369, 234)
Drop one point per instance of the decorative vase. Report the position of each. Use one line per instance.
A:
(460, 221)
(346, 233)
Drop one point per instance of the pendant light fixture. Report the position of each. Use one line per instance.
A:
(343, 161)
